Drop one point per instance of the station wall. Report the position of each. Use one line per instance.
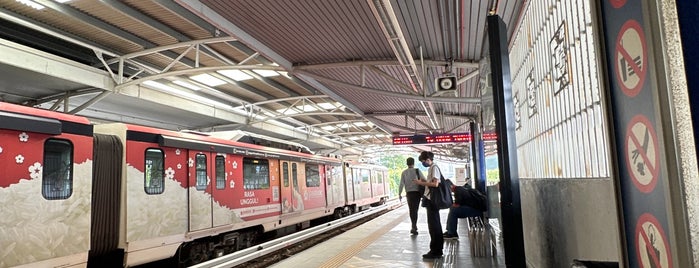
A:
(567, 193)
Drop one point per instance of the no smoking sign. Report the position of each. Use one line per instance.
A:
(642, 156)
(631, 58)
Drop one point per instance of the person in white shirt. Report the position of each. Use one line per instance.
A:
(433, 221)
(412, 191)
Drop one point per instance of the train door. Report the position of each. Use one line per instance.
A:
(291, 194)
(220, 191)
(365, 182)
(349, 183)
(312, 184)
(333, 177)
(377, 183)
(200, 201)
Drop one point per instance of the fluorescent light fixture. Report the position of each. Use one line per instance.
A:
(326, 105)
(287, 111)
(62, 1)
(307, 108)
(345, 125)
(31, 4)
(187, 95)
(328, 128)
(161, 86)
(266, 73)
(353, 138)
(360, 124)
(208, 80)
(187, 85)
(236, 75)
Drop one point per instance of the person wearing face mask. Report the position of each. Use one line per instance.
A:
(434, 224)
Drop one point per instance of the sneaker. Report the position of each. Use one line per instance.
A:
(451, 236)
(430, 255)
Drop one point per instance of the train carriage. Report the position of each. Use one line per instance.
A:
(367, 184)
(45, 187)
(74, 193)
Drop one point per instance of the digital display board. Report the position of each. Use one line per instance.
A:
(439, 138)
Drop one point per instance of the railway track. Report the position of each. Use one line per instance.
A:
(271, 252)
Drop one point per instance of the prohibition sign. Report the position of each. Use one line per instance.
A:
(652, 248)
(617, 3)
(642, 156)
(631, 58)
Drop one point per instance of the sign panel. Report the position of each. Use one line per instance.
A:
(651, 243)
(642, 177)
(439, 138)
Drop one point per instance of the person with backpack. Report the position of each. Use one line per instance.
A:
(433, 221)
(412, 191)
(468, 202)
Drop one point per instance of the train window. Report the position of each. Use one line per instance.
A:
(200, 169)
(220, 172)
(312, 176)
(379, 177)
(153, 174)
(366, 174)
(331, 178)
(294, 176)
(255, 174)
(57, 173)
(285, 174)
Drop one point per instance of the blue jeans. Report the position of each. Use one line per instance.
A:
(456, 213)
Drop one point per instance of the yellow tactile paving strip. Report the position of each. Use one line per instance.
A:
(351, 251)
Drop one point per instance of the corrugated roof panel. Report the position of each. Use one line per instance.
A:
(310, 32)
(156, 11)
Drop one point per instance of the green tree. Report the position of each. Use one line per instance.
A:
(395, 164)
(492, 175)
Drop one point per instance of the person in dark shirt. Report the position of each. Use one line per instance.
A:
(468, 202)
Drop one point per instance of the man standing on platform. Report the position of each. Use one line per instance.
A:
(412, 193)
(433, 222)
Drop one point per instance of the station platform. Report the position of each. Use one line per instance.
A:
(386, 242)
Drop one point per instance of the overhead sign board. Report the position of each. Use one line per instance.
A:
(439, 138)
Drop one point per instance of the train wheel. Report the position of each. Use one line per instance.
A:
(195, 253)
(337, 214)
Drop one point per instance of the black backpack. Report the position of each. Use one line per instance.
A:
(480, 199)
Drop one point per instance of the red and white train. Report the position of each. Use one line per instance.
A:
(73, 192)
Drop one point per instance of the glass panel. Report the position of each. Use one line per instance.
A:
(153, 173)
(255, 174)
(200, 170)
(220, 172)
(312, 176)
(366, 174)
(57, 174)
(285, 174)
(294, 176)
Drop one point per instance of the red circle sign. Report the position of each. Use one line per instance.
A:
(652, 248)
(641, 153)
(631, 58)
(617, 3)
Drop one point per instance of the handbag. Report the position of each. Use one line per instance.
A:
(440, 196)
(420, 188)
